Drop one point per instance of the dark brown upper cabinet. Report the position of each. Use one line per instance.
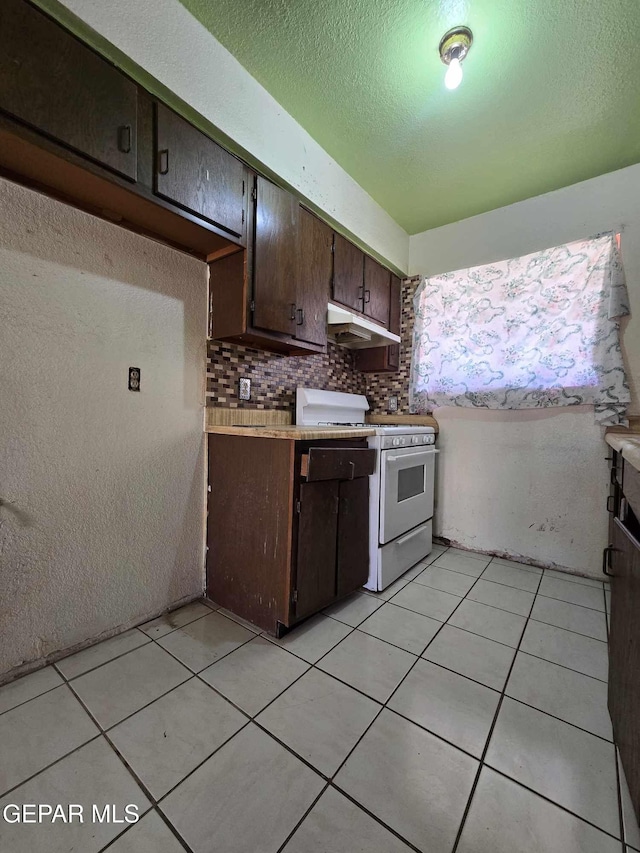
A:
(384, 359)
(315, 268)
(57, 85)
(376, 291)
(273, 296)
(74, 126)
(348, 273)
(195, 172)
(275, 259)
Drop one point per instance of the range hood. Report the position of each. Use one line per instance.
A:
(351, 330)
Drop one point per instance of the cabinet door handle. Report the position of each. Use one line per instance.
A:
(124, 138)
(606, 560)
(361, 292)
(163, 161)
(300, 319)
(292, 315)
(610, 507)
(367, 296)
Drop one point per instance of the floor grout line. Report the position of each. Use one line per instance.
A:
(315, 665)
(50, 765)
(552, 802)
(570, 630)
(104, 663)
(145, 790)
(26, 701)
(574, 603)
(489, 737)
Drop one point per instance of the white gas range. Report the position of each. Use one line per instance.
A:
(401, 490)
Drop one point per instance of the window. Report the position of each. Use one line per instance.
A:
(541, 330)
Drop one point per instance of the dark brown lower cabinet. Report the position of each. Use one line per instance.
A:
(283, 544)
(317, 546)
(624, 636)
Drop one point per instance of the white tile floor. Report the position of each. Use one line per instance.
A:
(463, 709)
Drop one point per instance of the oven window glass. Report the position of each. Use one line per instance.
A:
(410, 482)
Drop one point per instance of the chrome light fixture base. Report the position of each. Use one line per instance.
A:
(455, 44)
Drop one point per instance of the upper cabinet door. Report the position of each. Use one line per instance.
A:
(348, 272)
(275, 259)
(395, 311)
(315, 267)
(51, 81)
(196, 173)
(376, 291)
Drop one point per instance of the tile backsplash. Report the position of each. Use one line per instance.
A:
(274, 377)
(381, 386)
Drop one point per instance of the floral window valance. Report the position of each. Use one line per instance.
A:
(536, 331)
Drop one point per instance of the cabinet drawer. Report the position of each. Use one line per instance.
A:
(333, 463)
(197, 174)
(51, 81)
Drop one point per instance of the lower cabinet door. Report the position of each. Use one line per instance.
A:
(317, 541)
(624, 654)
(353, 535)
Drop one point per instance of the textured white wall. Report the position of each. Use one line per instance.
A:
(533, 484)
(106, 485)
(164, 39)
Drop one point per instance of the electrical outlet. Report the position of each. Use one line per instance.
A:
(245, 389)
(392, 404)
(134, 379)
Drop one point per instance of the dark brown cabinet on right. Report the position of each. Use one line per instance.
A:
(384, 359)
(377, 280)
(361, 283)
(622, 562)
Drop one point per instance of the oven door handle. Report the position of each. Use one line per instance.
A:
(413, 455)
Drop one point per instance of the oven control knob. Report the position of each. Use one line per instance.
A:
(396, 442)
(430, 439)
(415, 439)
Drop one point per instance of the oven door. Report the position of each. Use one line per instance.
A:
(406, 490)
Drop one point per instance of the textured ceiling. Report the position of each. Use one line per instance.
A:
(550, 96)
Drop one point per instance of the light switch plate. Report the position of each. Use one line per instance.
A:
(245, 389)
(392, 404)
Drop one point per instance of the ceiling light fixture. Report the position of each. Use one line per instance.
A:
(454, 46)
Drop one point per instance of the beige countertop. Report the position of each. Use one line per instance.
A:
(627, 443)
(289, 432)
(277, 423)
